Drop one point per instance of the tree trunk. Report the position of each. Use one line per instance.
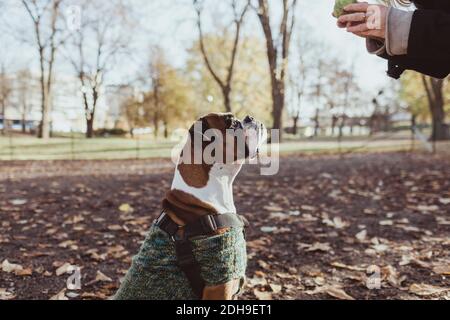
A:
(44, 127)
(278, 107)
(166, 130)
(295, 126)
(316, 123)
(436, 102)
(24, 128)
(341, 126)
(440, 128)
(333, 124)
(227, 99)
(3, 118)
(90, 127)
(156, 126)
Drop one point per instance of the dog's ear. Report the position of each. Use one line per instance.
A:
(205, 127)
(229, 121)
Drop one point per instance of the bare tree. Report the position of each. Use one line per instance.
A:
(277, 53)
(24, 91)
(5, 94)
(154, 99)
(435, 94)
(97, 44)
(238, 20)
(300, 74)
(46, 17)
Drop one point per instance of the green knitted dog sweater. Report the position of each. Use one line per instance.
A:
(155, 275)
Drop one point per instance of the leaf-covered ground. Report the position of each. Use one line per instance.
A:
(324, 227)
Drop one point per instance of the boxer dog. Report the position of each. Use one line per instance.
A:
(207, 188)
(218, 145)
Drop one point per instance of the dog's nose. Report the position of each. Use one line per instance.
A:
(249, 119)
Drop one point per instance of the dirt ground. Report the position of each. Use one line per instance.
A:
(373, 226)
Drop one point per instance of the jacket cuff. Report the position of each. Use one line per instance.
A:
(397, 31)
(374, 46)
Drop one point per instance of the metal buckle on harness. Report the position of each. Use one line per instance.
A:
(165, 223)
(159, 219)
(209, 224)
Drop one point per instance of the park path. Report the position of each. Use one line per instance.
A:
(317, 226)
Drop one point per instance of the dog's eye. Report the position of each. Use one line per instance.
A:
(236, 124)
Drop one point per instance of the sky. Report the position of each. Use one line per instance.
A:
(177, 31)
(170, 24)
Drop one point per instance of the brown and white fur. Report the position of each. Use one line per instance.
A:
(202, 189)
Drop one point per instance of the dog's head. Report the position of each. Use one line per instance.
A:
(224, 138)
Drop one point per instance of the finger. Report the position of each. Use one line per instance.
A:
(358, 28)
(353, 17)
(341, 25)
(364, 34)
(357, 7)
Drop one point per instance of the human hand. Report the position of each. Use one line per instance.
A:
(365, 20)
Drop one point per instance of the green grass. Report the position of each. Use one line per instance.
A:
(30, 148)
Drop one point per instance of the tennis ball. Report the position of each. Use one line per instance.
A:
(340, 5)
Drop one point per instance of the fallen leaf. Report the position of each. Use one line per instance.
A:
(24, 272)
(273, 208)
(115, 227)
(18, 202)
(443, 269)
(269, 229)
(337, 223)
(126, 208)
(65, 268)
(11, 267)
(262, 295)
(263, 264)
(444, 200)
(95, 256)
(320, 281)
(308, 208)
(361, 236)
(278, 215)
(276, 288)
(334, 291)
(391, 275)
(60, 295)
(101, 277)
(425, 208)
(257, 281)
(6, 295)
(442, 221)
(380, 247)
(344, 266)
(69, 244)
(283, 275)
(94, 295)
(307, 217)
(325, 247)
(386, 223)
(426, 289)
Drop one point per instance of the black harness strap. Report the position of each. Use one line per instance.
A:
(183, 247)
(188, 264)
